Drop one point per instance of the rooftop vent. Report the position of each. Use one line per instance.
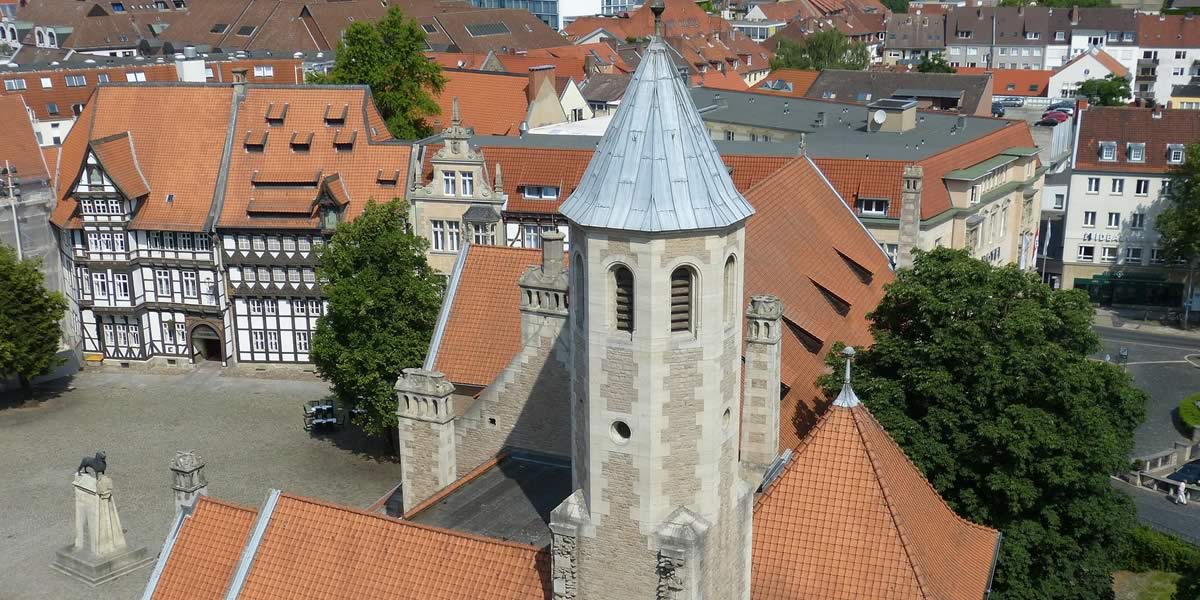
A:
(336, 116)
(775, 469)
(892, 115)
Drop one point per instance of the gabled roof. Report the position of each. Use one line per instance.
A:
(118, 157)
(656, 168)
(18, 145)
(1168, 31)
(1014, 82)
(848, 85)
(851, 517)
(199, 558)
(1126, 125)
(917, 31)
(1113, 65)
(604, 87)
(497, 29)
(787, 82)
(491, 103)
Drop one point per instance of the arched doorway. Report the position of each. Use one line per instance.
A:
(206, 344)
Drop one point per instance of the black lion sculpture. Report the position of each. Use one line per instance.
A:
(96, 463)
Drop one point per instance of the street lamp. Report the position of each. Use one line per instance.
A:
(11, 189)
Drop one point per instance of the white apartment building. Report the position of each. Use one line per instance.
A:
(1170, 55)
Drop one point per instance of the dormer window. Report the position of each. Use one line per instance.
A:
(336, 116)
(1060, 36)
(1136, 152)
(1175, 154)
(872, 206)
(1033, 35)
(329, 215)
(301, 142)
(540, 192)
(1108, 151)
(343, 140)
(256, 141)
(276, 113)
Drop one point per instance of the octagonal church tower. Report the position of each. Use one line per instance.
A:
(658, 239)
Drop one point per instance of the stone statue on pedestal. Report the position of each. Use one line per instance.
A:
(100, 552)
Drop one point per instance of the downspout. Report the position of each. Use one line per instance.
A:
(995, 559)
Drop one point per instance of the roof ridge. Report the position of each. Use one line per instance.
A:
(226, 504)
(897, 521)
(796, 451)
(451, 532)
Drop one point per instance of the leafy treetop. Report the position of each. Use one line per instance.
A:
(1179, 223)
(828, 49)
(29, 316)
(383, 304)
(982, 375)
(389, 56)
(1110, 91)
(936, 64)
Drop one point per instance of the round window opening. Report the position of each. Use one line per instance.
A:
(725, 419)
(620, 432)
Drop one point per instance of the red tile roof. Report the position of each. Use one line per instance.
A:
(851, 517)
(1168, 31)
(1014, 82)
(802, 238)
(935, 198)
(681, 17)
(118, 158)
(176, 157)
(599, 51)
(312, 549)
(490, 103)
(1113, 65)
(206, 550)
(18, 145)
(856, 179)
(1124, 125)
(800, 79)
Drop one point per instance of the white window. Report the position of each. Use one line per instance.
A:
(264, 275)
(298, 307)
(13, 85)
(1033, 35)
(264, 71)
(119, 241)
(82, 280)
(273, 341)
(303, 244)
(260, 243)
(468, 182)
(437, 235)
(532, 236)
(728, 135)
(258, 341)
(301, 341)
(256, 307)
(169, 240)
(121, 285)
(1180, 54)
(294, 275)
(1036, 52)
(1087, 253)
(1060, 36)
(186, 241)
(76, 80)
(46, 83)
(484, 233)
(955, 50)
(310, 276)
(453, 236)
(1060, 201)
(1137, 221)
(100, 285)
(243, 242)
(271, 306)
(162, 282)
(208, 73)
(1114, 220)
(1089, 218)
(1175, 154)
(543, 192)
(1003, 51)
(277, 273)
(869, 206)
(247, 274)
(1142, 187)
(1157, 257)
(1136, 152)
(133, 336)
(181, 333)
(1108, 151)
(122, 336)
(102, 78)
(168, 333)
(289, 244)
(273, 244)
(108, 335)
(1109, 254)
(1118, 185)
(1127, 36)
(135, 76)
(448, 186)
(1178, 71)
(314, 308)
(189, 284)
(1093, 185)
(1133, 255)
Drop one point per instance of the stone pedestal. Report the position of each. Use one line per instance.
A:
(100, 552)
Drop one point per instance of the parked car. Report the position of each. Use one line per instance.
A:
(1062, 104)
(1053, 118)
(997, 109)
(1014, 101)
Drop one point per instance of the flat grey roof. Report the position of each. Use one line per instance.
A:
(588, 142)
(845, 132)
(510, 501)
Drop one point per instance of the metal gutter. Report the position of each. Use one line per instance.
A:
(447, 303)
(165, 554)
(995, 560)
(251, 549)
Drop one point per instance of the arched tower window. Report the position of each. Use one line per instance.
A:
(682, 284)
(623, 296)
(51, 39)
(41, 38)
(731, 302)
(578, 292)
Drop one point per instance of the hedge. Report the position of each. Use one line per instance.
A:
(1189, 413)
(1150, 550)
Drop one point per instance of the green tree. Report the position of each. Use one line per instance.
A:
(982, 375)
(29, 316)
(896, 6)
(1179, 223)
(828, 49)
(383, 304)
(389, 56)
(935, 64)
(1110, 91)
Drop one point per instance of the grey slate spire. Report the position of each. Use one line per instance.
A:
(847, 398)
(656, 168)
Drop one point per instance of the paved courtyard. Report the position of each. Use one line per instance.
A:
(248, 430)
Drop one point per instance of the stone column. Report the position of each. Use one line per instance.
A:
(425, 413)
(760, 402)
(566, 521)
(187, 469)
(680, 543)
(910, 216)
(99, 552)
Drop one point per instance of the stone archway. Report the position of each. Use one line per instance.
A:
(206, 343)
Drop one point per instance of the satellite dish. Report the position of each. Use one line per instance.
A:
(879, 117)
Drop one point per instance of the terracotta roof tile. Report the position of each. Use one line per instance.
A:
(18, 145)
(521, 30)
(485, 306)
(1113, 65)
(312, 549)
(179, 158)
(935, 198)
(599, 50)
(118, 157)
(850, 517)
(855, 179)
(206, 550)
(490, 103)
(800, 79)
(1014, 82)
(1123, 126)
(1168, 31)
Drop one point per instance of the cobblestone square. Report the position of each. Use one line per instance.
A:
(248, 430)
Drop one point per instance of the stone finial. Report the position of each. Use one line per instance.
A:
(424, 396)
(764, 319)
(455, 116)
(187, 469)
(847, 398)
(498, 185)
(803, 144)
(657, 7)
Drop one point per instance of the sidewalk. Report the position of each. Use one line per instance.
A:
(1146, 321)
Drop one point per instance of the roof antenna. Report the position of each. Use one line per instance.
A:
(846, 398)
(657, 7)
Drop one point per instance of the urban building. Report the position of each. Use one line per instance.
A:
(26, 191)
(1007, 37)
(1170, 56)
(1113, 30)
(793, 83)
(1121, 166)
(1093, 64)
(868, 29)
(1186, 96)
(959, 93)
(1028, 85)
(546, 10)
(912, 37)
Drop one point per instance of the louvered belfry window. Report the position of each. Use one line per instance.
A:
(623, 279)
(681, 299)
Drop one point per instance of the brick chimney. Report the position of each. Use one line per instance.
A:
(188, 481)
(536, 76)
(910, 216)
(1074, 15)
